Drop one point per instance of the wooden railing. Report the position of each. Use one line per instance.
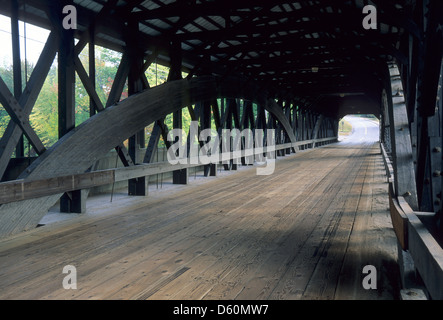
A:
(388, 164)
(415, 237)
(23, 189)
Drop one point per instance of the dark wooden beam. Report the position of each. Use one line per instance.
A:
(137, 186)
(16, 63)
(74, 201)
(159, 130)
(19, 117)
(205, 120)
(291, 23)
(23, 189)
(27, 100)
(425, 251)
(175, 73)
(176, 9)
(92, 71)
(66, 82)
(77, 152)
(433, 53)
(401, 147)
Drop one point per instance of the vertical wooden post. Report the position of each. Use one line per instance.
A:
(205, 118)
(66, 78)
(235, 109)
(17, 70)
(261, 124)
(217, 122)
(309, 126)
(175, 73)
(230, 105)
(179, 176)
(435, 159)
(295, 125)
(271, 125)
(137, 186)
(289, 116)
(223, 125)
(248, 123)
(404, 173)
(281, 138)
(316, 130)
(302, 126)
(440, 108)
(74, 201)
(92, 106)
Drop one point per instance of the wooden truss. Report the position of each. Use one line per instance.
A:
(244, 72)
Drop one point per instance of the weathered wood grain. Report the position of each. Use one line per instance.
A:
(82, 147)
(236, 236)
(23, 189)
(425, 251)
(399, 220)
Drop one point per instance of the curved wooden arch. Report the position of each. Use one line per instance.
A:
(77, 151)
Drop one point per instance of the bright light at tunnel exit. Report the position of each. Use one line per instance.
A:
(359, 128)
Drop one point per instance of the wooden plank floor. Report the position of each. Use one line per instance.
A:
(305, 232)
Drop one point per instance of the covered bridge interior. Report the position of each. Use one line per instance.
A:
(292, 68)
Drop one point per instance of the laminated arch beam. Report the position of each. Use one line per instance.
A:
(79, 149)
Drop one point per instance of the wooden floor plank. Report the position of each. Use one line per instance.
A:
(321, 283)
(291, 235)
(279, 247)
(317, 244)
(367, 245)
(257, 237)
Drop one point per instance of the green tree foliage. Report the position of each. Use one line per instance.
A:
(156, 75)
(4, 120)
(6, 74)
(44, 116)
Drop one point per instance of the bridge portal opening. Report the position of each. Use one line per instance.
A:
(359, 128)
